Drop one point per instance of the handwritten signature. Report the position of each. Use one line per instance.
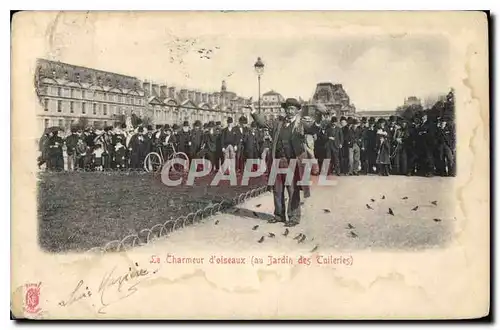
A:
(77, 294)
(119, 287)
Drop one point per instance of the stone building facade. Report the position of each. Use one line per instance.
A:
(71, 95)
(335, 98)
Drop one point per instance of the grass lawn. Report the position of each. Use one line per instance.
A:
(79, 211)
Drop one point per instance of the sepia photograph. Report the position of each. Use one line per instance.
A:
(251, 147)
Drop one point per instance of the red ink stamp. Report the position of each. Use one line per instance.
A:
(32, 298)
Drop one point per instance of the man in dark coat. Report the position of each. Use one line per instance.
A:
(230, 140)
(251, 143)
(288, 143)
(333, 145)
(357, 145)
(56, 160)
(425, 145)
(139, 147)
(445, 148)
(364, 153)
(196, 140)
(184, 139)
(210, 145)
(43, 147)
(243, 132)
(347, 145)
(370, 143)
(71, 142)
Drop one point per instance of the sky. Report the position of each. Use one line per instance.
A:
(377, 70)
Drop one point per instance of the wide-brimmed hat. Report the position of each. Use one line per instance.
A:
(197, 123)
(185, 123)
(291, 102)
(175, 126)
(210, 124)
(243, 120)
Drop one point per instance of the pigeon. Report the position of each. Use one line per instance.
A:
(369, 207)
(229, 75)
(353, 234)
(261, 240)
(349, 226)
(255, 227)
(298, 236)
(271, 235)
(302, 239)
(437, 220)
(314, 248)
(286, 232)
(255, 214)
(404, 197)
(258, 205)
(217, 222)
(217, 47)
(372, 200)
(326, 210)
(390, 211)
(434, 203)
(383, 196)
(415, 208)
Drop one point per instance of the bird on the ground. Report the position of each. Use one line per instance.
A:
(369, 207)
(286, 232)
(349, 226)
(271, 235)
(255, 227)
(298, 236)
(383, 196)
(353, 234)
(261, 240)
(372, 200)
(217, 222)
(314, 248)
(415, 208)
(258, 205)
(326, 210)
(302, 239)
(404, 197)
(434, 203)
(390, 211)
(436, 219)
(255, 214)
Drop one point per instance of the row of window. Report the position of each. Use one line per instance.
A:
(70, 122)
(91, 95)
(81, 107)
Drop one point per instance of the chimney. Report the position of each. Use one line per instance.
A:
(171, 92)
(217, 98)
(184, 94)
(204, 97)
(147, 87)
(155, 90)
(198, 97)
(191, 95)
(163, 91)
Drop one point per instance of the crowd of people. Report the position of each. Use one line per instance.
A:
(354, 146)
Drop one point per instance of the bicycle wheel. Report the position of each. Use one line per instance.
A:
(152, 162)
(179, 168)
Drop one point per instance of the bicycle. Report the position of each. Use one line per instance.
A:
(154, 161)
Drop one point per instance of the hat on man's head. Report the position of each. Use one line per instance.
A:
(355, 121)
(291, 102)
(229, 120)
(364, 119)
(392, 118)
(175, 126)
(197, 123)
(210, 124)
(74, 129)
(381, 120)
(167, 126)
(185, 123)
(350, 120)
(343, 118)
(371, 120)
(140, 129)
(218, 123)
(253, 124)
(150, 128)
(243, 120)
(334, 119)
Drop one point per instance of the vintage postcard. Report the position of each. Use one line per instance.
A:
(250, 165)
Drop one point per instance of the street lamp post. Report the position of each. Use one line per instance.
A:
(259, 68)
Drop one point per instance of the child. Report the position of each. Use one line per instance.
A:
(98, 153)
(383, 153)
(81, 152)
(120, 155)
